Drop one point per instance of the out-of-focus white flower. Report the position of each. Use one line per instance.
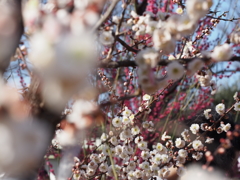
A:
(197, 145)
(134, 14)
(144, 165)
(226, 127)
(80, 110)
(180, 160)
(117, 122)
(235, 37)
(237, 106)
(148, 56)
(181, 171)
(182, 153)
(197, 173)
(194, 128)
(206, 113)
(114, 140)
(103, 167)
(23, 144)
(175, 70)
(142, 145)
(42, 49)
(106, 38)
(81, 4)
(64, 68)
(180, 26)
(31, 14)
(62, 3)
(125, 134)
(194, 66)
(185, 134)
(209, 140)
(116, 19)
(164, 172)
(165, 136)
(197, 9)
(220, 108)
(127, 112)
(151, 26)
(146, 97)
(205, 80)
(104, 137)
(235, 97)
(145, 155)
(135, 130)
(125, 120)
(179, 143)
(222, 52)
(179, 10)
(197, 155)
(163, 40)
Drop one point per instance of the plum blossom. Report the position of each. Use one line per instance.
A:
(194, 66)
(197, 155)
(237, 106)
(206, 113)
(222, 52)
(196, 9)
(197, 145)
(194, 128)
(117, 122)
(163, 40)
(106, 38)
(179, 143)
(175, 70)
(235, 37)
(220, 108)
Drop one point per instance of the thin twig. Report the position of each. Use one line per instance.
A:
(106, 15)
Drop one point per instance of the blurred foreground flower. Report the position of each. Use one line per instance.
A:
(23, 145)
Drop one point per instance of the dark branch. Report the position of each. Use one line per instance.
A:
(162, 62)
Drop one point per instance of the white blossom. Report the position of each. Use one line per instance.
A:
(179, 143)
(197, 9)
(197, 145)
(182, 153)
(127, 112)
(163, 40)
(237, 106)
(209, 140)
(175, 70)
(181, 171)
(194, 128)
(165, 136)
(222, 52)
(125, 120)
(103, 167)
(144, 165)
(220, 108)
(106, 38)
(148, 57)
(184, 134)
(164, 172)
(235, 37)
(146, 97)
(135, 130)
(142, 145)
(194, 66)
(226, 127)
(206, 113)
(117, 122)
(197, 155)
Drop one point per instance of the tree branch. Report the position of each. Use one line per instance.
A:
(106, 15)
(162, 62)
